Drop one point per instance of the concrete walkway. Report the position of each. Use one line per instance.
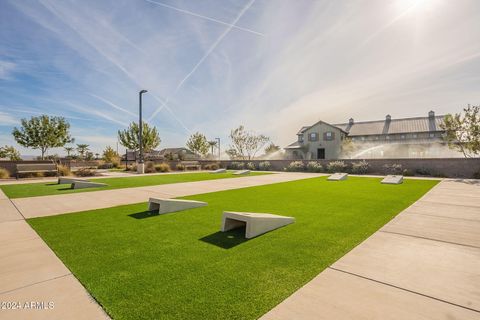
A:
(73, 202)
(424, 264)
(33, 277)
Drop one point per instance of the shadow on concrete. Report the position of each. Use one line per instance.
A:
(226, 240)
(144, 214)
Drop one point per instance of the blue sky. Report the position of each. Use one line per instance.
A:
(272, 65)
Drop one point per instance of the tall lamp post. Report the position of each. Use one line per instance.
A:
(218, 139)
(141, 165)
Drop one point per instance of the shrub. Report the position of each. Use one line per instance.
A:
(251, 166)
(394, 168)
(295, 166)
(116, 162)
(107, 165)
(336, 166)
(162, 167)
(180, 167)
(4, 173)
(64, 170)
(423, 172)
(85, 172)
(264, 166)
(236, 165)
(132, 167)
(360, 167)
(150, 167)
(407, 173)
(211, 166)
(313, 166)
(476, 175)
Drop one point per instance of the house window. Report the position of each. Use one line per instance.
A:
(402, 136)
(432, 135)
(363, 138)
(328, 136)
(300, 138)
(387, 138)
(313, 136)
(414, 136)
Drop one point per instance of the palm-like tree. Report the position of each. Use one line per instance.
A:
(82, 149)
(69, 149)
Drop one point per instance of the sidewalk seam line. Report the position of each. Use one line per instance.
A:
(425, 238)
(35, 283)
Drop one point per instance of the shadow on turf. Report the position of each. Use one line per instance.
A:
(144, 214)
(226, 240)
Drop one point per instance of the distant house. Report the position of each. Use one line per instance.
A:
(178, 154)
(417, 137)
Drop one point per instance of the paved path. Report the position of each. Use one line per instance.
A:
(424, 264)
(31, 272)
(72, 202)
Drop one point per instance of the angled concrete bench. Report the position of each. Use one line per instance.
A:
(390, 179)
(86, 184)
(219, 171)
(338, 176)
(255, 223)
(67, 180)
(241, 172)
(173, 205)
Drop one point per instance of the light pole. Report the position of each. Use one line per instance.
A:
(218, 139)
(141, 165)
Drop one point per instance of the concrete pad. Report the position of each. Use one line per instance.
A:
(461, 231)
(86, 184)
(69, 180)
(444, 210)
(173, 205)
(219, 171)
(444, 271)
(65, 294)
(14, 231)
(8, 212)
(241, 172)
(392, 180)
(23, 263)
(338, 176)
(341, 296)
(255, 223)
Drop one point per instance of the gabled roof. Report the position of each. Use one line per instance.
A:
(303, 129)
(394, 126)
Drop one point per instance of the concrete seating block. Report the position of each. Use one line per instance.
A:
(392, 179)
(219, 171)
(241, 172)
(68, 180)
(173, 205)
(338, 176)
(255, 223)
(86, 184)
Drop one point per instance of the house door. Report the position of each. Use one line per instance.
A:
(321, 153)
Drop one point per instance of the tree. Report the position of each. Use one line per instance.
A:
(197, 143)
(10, 153)
(245, 145)
(462, 132)
(110, 155)
(271, 149)
(129, 137)
(82, 150)
(43, 132)
(69, 150)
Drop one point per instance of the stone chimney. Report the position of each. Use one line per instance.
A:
(388, 118)
(350, 121)
(431, 114)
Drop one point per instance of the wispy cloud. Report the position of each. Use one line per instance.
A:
(6, 69)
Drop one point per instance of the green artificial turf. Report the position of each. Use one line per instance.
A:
(52, 188)
(139, 265)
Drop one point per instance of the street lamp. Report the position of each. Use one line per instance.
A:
(218, 139)
(141, 165)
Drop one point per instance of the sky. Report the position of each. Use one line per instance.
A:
(212, 65)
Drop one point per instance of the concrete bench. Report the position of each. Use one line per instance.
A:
(36, 168)
(255, 223)
(86, 184)
(391, 179)
(68, 180)
(241, 172)
(338, 176)
(191, 164)
(172, 205)
(219, 171)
